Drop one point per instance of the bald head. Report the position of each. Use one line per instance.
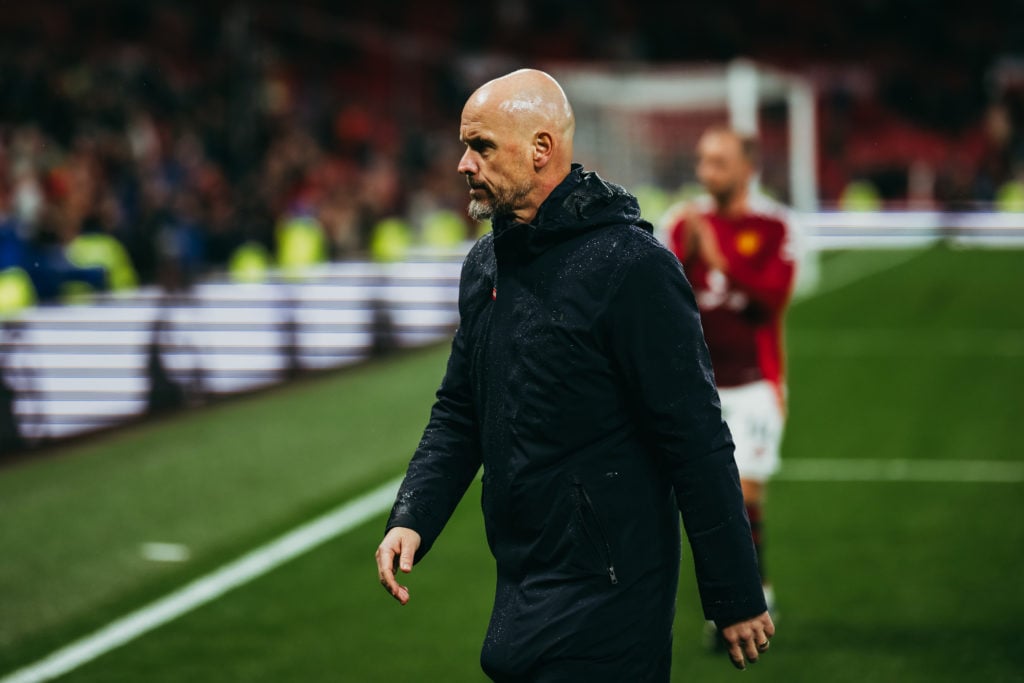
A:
(518, 132)
(530, 99)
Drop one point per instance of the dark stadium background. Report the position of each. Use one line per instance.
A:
(265, 104)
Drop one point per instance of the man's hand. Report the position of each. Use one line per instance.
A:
(707, 246)
(690, 220)
(396, 550)
(748, 639)
(700, 239)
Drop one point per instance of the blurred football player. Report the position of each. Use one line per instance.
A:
(737, 251)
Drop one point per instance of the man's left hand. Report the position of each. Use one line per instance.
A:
(748, 640)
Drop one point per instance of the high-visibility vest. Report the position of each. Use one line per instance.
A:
(249, 263)
(16, 292)
(92, 250)
(300, 243)
(1010, 196)
(443, 229)
(860, 195)
(653, 201)
(390, 240)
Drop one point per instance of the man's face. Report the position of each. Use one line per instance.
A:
(496, 163)
(722, 168)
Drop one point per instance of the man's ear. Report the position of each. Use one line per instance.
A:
(543, 148)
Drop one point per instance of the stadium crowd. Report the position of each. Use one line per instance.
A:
(185, 131)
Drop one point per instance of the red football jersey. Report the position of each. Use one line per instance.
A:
(741, 308)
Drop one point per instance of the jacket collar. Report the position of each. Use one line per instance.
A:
(505, 222)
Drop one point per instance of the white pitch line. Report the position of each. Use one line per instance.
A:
(930, 471)
(207, 588)
(843, 275)
(350, 515)
(891, 342)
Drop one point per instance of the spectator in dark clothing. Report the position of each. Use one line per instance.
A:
(580, 380)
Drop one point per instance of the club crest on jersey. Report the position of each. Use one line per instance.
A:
(748, 242)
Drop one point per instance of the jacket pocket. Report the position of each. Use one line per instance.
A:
(592, 528)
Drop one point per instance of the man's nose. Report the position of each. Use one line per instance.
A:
(466, 164)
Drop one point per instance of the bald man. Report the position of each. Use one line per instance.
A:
(580, 380)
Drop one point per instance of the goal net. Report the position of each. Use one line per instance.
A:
(639, 127)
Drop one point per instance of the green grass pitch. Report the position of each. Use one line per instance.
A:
(876, 580)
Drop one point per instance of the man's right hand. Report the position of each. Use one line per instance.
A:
(396, 550)
(748, 639)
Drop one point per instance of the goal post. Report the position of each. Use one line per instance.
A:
(625, 117)
(638, 126)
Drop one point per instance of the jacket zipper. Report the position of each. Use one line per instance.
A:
(600, 530)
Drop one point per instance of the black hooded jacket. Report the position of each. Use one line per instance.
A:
(580, 379)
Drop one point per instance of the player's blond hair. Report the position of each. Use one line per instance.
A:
(750, 147)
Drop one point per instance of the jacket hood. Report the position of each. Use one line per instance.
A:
(582, 202)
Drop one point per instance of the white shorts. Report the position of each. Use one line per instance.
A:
(754, 416)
